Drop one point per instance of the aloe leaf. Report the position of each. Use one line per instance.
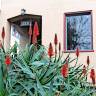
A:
(40, 88)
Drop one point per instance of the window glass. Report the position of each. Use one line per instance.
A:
(79, 31)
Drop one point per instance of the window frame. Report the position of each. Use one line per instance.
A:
(65, 33)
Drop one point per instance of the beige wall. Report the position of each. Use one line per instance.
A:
(52, 12)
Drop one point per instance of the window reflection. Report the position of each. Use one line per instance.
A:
(79, 31)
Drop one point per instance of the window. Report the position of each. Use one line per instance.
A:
(78, 31)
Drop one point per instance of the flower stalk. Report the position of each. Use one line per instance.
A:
(55, 43)
(3, 35)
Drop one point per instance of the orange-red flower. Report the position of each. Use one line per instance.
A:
(84, 70)
(64, 70)
(3, 33)
(36, 29)
(77, 52)
(7, 60)
(50, 50)
(55, 40)
(92, 75)
(88, 60)
(35, 33)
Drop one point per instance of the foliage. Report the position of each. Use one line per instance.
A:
(33, 73)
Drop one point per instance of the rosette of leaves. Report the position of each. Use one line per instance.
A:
(4, 67)
(75, 83)
(31, 73)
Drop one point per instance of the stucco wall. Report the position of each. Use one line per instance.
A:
(52, 12)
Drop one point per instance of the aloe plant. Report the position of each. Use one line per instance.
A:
(2, 75)
(33, 73)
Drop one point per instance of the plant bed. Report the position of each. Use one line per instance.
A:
(34, 71)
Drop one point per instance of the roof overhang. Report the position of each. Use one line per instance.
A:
(24, 17)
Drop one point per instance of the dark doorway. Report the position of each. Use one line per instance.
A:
(20, 25)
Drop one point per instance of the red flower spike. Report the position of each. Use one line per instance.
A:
(36, 29)
(3, 33)
(7, 60)
(55, 40)
(92, 75)
(77, 52)
(64, 70)
(30, 30)
(88, 60)
(35, 33)
(84, 70)
(50, 50)
(59, 46)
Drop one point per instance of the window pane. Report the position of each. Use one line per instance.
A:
(79, 32)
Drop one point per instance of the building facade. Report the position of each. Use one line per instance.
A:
(56, 15)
